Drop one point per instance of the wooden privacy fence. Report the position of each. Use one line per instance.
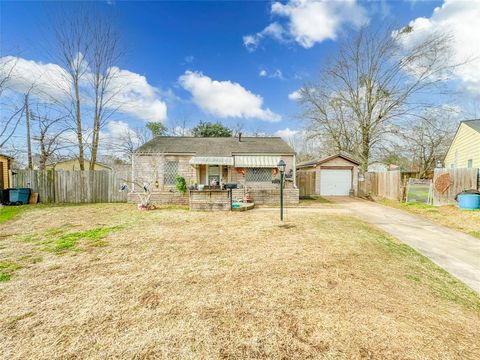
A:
(382, 184)
(74, 186)
(306, 182)
(458, 180)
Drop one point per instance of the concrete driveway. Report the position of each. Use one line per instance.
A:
(454, 251)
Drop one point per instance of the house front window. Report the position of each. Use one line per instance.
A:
(170, 172)
(258, 175)
(469, 163)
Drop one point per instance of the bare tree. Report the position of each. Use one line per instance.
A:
(73, 35)
(128, 141)
(104, 55)
(11, 113)
(51, 126)
(427, 139)
(374, 80)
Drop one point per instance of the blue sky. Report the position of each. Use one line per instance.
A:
(164, 40)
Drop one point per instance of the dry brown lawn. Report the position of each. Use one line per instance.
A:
(451, 216)
(108, 281)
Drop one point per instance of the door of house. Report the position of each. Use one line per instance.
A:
(213, 173)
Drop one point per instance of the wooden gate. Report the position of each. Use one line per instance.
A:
(306, 182)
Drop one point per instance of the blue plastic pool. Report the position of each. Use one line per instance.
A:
(469, 201)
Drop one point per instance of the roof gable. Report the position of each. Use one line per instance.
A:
(324, 160)
(215, 146)
(474, 124)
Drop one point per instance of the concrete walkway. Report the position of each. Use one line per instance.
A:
(454, 251)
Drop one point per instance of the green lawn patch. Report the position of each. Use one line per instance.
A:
(7, 268)
(9, 212)
(69, 241)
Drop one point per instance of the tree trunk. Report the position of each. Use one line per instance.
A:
(78, 119)
(365, 152)
(95, 140)
(29, 140)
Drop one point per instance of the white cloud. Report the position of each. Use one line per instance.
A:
(277, 74)
(189, 59)
(460, 19)
(274, 30)
(286, 133)
(225, 98)
(133, 95)
(309, 21)
(295, 95)
(44, 80)
(137, 97)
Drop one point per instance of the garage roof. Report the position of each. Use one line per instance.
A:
(324, 160)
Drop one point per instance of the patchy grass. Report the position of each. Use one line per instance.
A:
(315, 198)
(9, 212)
(7, 268)
(174, 284)
(69, 241)
(450, 216)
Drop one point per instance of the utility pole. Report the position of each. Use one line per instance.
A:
(29, 141)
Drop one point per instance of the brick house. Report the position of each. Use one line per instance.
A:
(248, 162)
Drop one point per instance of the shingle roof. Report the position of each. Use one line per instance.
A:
(474, 124)
(323, 160)
(220, 146)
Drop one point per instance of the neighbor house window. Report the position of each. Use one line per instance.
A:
(258, 175)
(470, 163)
(170, 172)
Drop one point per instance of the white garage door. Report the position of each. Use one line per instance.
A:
(335, 182)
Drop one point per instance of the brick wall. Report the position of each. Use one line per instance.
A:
(162, 198)
(150, 168)
(210, 200)
(272, 196)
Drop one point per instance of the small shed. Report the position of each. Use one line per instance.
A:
(6, 165)
(335, 175)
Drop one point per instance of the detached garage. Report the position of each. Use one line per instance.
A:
(332, 176)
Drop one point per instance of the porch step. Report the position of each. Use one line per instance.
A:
(244, 207)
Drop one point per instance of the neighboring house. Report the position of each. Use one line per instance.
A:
(331, 176)
(464, 152)
(6, 165)
(73, 164)
(382, 167)
(249, 162)
(377, 167)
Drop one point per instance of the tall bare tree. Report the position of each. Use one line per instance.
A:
(376, 78)
(73, 35)
(89, 51)
(105, 54)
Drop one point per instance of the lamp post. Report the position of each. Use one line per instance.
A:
(281, 167)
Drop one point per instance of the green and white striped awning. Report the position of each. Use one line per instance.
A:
(256, 161)
(212, 160)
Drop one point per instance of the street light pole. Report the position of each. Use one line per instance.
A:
(281, 167)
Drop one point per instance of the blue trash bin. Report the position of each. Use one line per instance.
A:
(19, 196)
(469, 201)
